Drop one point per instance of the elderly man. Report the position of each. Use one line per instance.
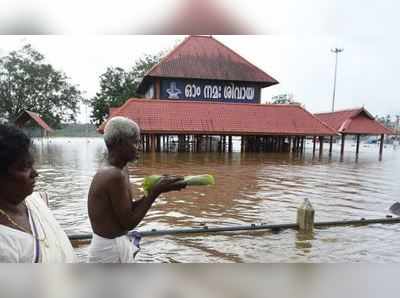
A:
(112, 212)
(28, 230)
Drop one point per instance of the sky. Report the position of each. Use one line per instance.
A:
(289, 40)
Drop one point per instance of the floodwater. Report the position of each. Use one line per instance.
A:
(250, 188)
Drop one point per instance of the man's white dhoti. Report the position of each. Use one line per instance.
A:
(116, 250)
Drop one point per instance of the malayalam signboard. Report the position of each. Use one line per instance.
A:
(204, 90)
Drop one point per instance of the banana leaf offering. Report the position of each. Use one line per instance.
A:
(150, 181)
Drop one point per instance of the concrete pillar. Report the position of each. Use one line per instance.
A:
(223, 143)
(330, 145)
(199, 142)
(147, 143)
(153, 143)
(321, 146)
(302, 145)
(298, 144)
(381, 147)
(358, 146)
(314, 143)
(294, 144)
(305, 217)
(342, 146)
(158, 143)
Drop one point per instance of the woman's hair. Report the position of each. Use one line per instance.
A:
(14, 144)
(118, 129)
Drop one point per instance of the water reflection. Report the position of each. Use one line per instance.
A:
(304, 241)
(250, 188)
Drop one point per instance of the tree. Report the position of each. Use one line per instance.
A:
(28, 83)
(388, 120)
(118, 85)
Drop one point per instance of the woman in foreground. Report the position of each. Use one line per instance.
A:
(28, 230)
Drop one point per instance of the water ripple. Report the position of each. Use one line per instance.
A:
(250, 188)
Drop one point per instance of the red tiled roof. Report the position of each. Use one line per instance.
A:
(113, 110)
(189, 117)
(203, 57)
(354, 121)
(39, 121)
(27, 114)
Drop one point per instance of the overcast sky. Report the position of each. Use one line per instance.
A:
(292, 45)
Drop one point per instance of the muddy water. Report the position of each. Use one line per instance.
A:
(250, 188)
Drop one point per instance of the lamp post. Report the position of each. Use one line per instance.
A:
(336, 51)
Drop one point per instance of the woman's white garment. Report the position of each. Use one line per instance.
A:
(15, 246)
(54, 245)
(117, 250)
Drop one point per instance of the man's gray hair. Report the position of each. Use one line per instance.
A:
(120, 128)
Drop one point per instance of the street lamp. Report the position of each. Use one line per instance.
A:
(336, 51)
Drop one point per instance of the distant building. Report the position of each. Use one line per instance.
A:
(284, 99)
(33, 124)
(357, 121)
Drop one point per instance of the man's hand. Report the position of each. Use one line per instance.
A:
(168, 183)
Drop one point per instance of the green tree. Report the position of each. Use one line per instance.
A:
(28, 83)
(118, 85)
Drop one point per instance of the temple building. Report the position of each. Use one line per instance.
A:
(203, 95)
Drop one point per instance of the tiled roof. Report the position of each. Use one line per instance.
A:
(27, 114)
(188, 117)
(113, 110)
(203, 57)
(39, 121)
(354, 121)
